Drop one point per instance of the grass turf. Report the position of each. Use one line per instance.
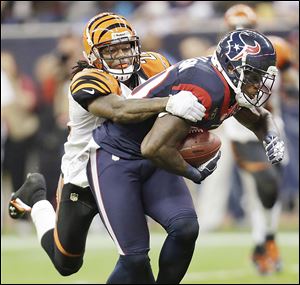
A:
(219, 258)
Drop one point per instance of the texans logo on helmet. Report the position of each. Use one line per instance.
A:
(237, 47)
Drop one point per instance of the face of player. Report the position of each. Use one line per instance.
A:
(251, 90)
(252, 84)
(118, 56)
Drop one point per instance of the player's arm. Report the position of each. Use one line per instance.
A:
(160, 145)
(260, 122)
(99, 93)
(120, 110)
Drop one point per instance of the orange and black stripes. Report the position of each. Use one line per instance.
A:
(102, 18)
(90, 84)
(101, 82)
(104, 23)
(111, 27)
(90, 81)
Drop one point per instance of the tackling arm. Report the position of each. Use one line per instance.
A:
(120, 110)
(183, 104)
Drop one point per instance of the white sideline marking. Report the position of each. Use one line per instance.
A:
(102, 240)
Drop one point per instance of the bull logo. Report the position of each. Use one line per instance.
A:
(238, 48)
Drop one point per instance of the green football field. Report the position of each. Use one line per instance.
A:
(220, 258)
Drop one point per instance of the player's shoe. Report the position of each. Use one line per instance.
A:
(261, 261)
(272, 252)
(33, 190)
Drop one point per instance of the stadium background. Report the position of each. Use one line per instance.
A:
(34, 31)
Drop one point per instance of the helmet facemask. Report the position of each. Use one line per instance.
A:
(245, 76)
(126, 64)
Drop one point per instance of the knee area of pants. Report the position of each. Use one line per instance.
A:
(269, 203)
(66, 271)
(135, 261)
(185, 229)
(268, 196)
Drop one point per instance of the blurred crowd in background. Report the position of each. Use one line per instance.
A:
(41, 42)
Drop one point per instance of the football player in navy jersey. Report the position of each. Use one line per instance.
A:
(130, 165)
(99, 90)
(260, 182)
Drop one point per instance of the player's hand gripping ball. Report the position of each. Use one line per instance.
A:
(199, 146)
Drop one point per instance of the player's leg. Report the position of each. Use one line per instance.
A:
(116, 184)
(258, 173)
(32, 191)
(56, 239)
(256, 213)
(168, 201)
(268, 183)
(65, 244)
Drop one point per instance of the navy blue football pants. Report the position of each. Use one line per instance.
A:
(128, 190)
(124, 191)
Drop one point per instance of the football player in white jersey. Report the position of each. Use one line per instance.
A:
(114, 66)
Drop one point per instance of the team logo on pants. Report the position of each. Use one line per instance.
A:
(74, 197)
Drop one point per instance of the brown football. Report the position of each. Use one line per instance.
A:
(199, 146)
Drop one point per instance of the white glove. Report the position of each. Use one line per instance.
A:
(185, 105)
(274, 147)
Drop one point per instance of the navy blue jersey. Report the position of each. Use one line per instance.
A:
(196, 75)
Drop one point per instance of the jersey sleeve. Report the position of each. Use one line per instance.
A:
(91, 84)
(153, 63)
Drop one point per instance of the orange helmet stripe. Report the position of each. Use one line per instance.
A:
(109, 28)
(105, 24)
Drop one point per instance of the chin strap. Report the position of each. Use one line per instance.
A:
(90, 58)
(124, 75)
(242, 101)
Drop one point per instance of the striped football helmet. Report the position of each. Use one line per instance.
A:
(111, 43)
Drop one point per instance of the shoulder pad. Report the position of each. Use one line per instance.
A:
(102, 82)
(153, 63)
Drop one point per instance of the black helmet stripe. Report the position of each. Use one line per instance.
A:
(112, 27)
(114, 16)
(97, 18)
(98, 26)
(103, 22)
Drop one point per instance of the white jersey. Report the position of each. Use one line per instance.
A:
(81, 125)
(85, 85)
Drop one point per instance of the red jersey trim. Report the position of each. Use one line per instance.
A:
(225, 105)
(199, 92)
